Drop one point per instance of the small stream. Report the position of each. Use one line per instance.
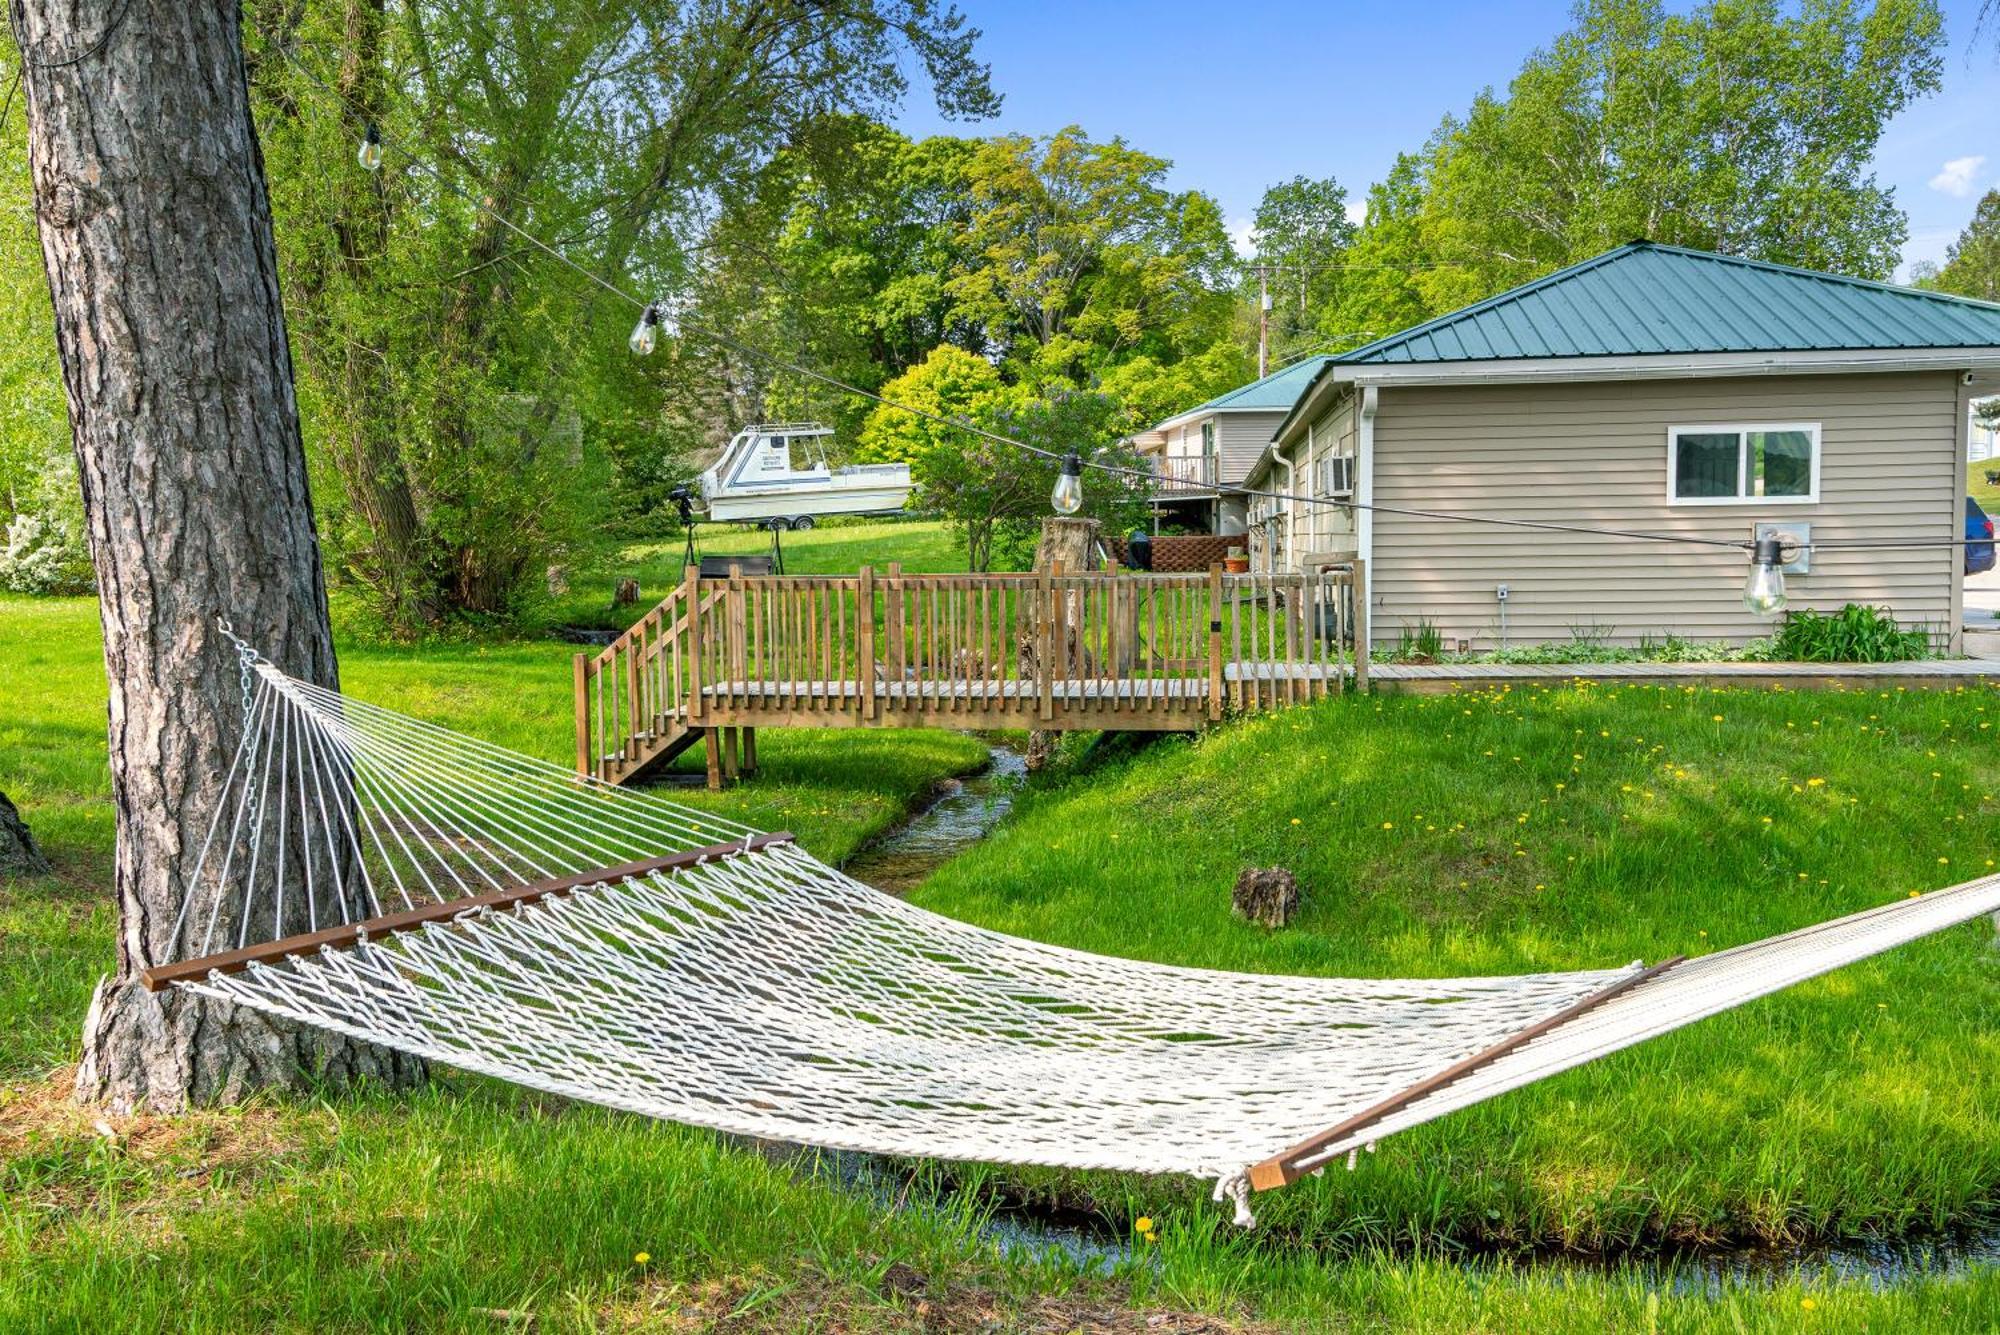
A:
(958, 815)
(963, 811)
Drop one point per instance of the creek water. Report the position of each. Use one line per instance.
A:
(958, 815)
(963, 811)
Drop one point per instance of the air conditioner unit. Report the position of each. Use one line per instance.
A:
(1336, 475)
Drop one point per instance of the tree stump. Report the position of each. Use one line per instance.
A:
(19, 854)
(1069, 545)
(1267, 896)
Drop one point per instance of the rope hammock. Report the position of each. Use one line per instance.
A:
(412, 887)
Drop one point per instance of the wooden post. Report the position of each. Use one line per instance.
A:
(733, 637)
(1214, 641)
(749, 752)
(712, 742)
(1361, 632)
(580, 663)
(732, 767)
(631, 704)
(1045, 641)
(892, 607)
(697, 704)
(864, 637)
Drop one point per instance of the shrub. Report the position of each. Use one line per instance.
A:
(1854, 634)
(44, 556)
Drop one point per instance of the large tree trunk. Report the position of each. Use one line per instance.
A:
(156, 233)
(20, 855)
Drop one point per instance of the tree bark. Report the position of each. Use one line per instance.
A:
(156, 234)
(19, 854)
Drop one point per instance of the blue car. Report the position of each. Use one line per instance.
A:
(1978, 553)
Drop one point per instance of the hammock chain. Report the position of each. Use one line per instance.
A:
(247, 659)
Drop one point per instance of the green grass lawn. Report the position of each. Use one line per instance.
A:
(1566, 828)
(1517, 831)
(1977, 487)
(834, 547)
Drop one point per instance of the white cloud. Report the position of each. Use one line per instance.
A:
(1241, 231)
(1956, 179)
(1357, 211)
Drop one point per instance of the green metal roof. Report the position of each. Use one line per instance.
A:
(1276, 392)
(1645, 299)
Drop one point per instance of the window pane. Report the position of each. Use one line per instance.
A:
(1707, 464)
(1784, 462)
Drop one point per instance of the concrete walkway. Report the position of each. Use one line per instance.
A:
(1982, 615)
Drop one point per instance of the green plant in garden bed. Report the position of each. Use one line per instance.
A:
(1854, 634)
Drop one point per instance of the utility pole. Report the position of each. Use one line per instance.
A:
(1263, 320)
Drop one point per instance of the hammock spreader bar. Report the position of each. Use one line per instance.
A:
(1281, 1170)
(161, 977)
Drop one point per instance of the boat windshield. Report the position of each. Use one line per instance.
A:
(808, 453)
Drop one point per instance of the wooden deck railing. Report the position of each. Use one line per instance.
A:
(1053, 650)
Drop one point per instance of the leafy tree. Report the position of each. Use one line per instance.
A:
(470, 395)
(837, 257)
(1972, 264)
(951, 383)
(1301, 233)
(1740, 127)
(995, 494)
(1147, 391)
(1074, 239)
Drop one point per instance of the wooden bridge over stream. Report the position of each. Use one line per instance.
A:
(720, 658)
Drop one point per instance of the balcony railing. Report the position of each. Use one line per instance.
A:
(1182, 473)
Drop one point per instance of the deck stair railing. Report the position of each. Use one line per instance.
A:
(1102, 650)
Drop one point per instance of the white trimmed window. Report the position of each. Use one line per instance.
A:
(1743, 463)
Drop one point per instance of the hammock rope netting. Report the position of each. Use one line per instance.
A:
(398, 883)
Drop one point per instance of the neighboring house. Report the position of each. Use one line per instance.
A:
(1653, 389)
(1202, 455)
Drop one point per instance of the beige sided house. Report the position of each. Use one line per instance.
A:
(1653, 389)
(1200, 457)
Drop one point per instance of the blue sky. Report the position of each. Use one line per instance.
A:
(1241, 96)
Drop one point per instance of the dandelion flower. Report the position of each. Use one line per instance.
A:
(1815, 783)
(1144, 1223)
(1388, 825)
(1808, 1304)
(1295, 820)
(641, 1258)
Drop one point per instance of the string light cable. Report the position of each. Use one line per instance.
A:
(1765, 554)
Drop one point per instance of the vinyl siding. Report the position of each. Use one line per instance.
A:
(1239, 438)
(1596, 454)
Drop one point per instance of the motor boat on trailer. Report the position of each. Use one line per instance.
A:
(776, 473)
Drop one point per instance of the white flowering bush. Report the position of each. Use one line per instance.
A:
(44, 555)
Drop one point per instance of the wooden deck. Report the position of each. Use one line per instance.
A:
(719, 659)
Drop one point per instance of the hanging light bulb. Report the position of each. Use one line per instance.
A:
(370, 155)
(1068, 494)
(646, 333)
(1764, 592)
